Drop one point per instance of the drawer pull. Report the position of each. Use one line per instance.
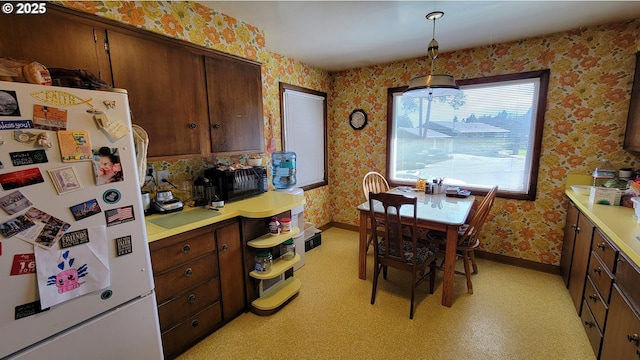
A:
(589, 324)
(597, 271)
(195, 323)
(192, 298)
(633, 339)
(188, 272)
(601, 246)
(593, 298)
(186, 248)
(225, 247)
(192, 125)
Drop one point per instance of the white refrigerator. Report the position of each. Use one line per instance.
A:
(75, 271)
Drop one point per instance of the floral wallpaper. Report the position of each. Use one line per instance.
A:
(587, 105)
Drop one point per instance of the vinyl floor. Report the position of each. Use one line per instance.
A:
(514, 313)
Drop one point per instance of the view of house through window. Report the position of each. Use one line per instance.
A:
(488, 134)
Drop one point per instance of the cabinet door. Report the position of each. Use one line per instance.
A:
(231, 270)
(569, 240)
(632, 134)
(621, 338)
(166, 90)
(234, 89)
(580, 260)
(56, 40)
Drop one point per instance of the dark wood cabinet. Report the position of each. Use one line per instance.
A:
(632, 134)
(166, 91)
(622, 337)
(570, 230)
(229, 247)
(192, 101)
(580, 261)
(56, 40)
(199, 283)
(234, 90)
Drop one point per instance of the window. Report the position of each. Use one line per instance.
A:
(488, 134)
(304, 132)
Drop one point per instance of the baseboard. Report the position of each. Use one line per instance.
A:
(523, 263)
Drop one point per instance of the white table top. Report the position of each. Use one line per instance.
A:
(436, 208)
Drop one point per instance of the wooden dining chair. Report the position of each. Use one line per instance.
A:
(373, 182)
(468, 236)
(395, 249)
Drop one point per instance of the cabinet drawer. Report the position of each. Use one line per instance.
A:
(606, 252)
(596, 305)
(179, 249)
(185, 277)
(591, 328)
(601, 277)
(184, 335)
(188, 303)
(628, 278)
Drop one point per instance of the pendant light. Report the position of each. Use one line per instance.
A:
(432, 84)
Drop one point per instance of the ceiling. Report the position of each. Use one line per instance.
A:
(340, 35)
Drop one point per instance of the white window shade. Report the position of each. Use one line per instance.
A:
(304, 135)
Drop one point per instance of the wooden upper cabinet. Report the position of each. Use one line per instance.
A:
(632, 134)
(234, 90)
(56, 40)
(167, 92)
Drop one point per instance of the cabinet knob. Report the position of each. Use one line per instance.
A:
(597, 271)
(216, 126)
(195, 323)
(633, 338)
(574, 227)
(593, 297)
(589, 323)
(192, 125)
(186, 248)
(601, 246)
(188, 272)
(192, 298)
(225, 247)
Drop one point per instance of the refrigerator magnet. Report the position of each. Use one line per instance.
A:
(9, 103)
(85, 209)
(65, 179)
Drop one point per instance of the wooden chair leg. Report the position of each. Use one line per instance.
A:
(432, 278)
(467, 271)
(413, 291)
(473, 261)
(376, 272)
(384, 272)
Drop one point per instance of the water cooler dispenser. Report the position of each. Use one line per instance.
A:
(284, 180)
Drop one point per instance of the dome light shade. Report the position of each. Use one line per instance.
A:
(432, 84)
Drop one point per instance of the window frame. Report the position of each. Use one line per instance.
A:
(283, 135)
(543, 76)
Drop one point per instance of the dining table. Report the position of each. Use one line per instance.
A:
(434, 212)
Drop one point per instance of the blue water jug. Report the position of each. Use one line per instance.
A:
(283, 169)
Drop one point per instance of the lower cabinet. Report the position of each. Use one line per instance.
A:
(606, 282)
(199, 283)
(580, 260)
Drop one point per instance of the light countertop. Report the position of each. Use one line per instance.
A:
(617, 222)
(261, 206)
